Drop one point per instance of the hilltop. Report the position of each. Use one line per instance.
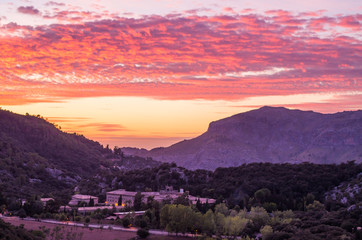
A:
(268, 134)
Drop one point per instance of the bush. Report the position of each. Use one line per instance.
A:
(347, 225)
(21, 213)
(126, 222)
(143, 233)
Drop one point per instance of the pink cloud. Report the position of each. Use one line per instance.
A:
(353, 22)
(52, 3)
(338, 104)
(179, 57)
(28, 10)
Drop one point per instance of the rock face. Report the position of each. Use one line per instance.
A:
(269, 134)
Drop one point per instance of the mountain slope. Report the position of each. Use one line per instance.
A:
(62, 150)
(268, 134)
(37, 158)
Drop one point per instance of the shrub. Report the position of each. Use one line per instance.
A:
(22, 213)
(143, 233)
(126, 222)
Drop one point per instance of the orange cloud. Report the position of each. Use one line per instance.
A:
(178, 57)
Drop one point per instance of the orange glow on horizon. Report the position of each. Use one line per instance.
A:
(150, 123)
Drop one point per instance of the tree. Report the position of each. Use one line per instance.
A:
(21, 213)
(91, 202)
(208, 223)
(233, 226)
(143, 233)
(199, 205)
(14, 205)
(138, 201)
(222, 208)
(180, 219)
(315, 206)
(120, 200)
(262, 195)
(2, 198)
(126, 221)
(183, 200)
(165, 216)
(52, 206)
(259, 217)
(33, 207)
(219, 222)
(309, 199)
(266, 231)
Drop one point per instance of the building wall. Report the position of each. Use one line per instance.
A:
(75, 200)
(112, 198)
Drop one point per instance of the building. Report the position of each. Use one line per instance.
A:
(112, 198)
(168, 194)
(78, 198)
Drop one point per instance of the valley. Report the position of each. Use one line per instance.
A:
(294, 199)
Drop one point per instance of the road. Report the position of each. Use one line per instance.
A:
(94, 226)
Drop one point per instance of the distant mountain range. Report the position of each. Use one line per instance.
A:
(268, 134)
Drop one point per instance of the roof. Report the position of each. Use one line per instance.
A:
(122, 192)
(125, 213)
(83, 197)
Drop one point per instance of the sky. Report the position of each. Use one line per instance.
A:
(149, 73)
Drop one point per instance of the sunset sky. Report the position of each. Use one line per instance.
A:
(148, 73)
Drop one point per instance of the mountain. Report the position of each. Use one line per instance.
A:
(36, 157)
(268, 134)
(64, 151)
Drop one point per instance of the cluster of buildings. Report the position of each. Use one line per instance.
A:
(127, 197)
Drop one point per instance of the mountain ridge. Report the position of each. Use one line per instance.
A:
(269, 134)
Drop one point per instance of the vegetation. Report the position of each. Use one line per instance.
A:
(277, 201)
(143, 233)
(7, 231)
(271, 201)
(273, 186)
(37, 158)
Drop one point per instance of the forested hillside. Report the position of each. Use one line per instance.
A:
(37, 158)
(277, 186)
(31, 134)
(269, 201)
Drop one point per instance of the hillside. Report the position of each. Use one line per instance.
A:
(268, 134)
(38, 158)
(288, 183)
(30, 134)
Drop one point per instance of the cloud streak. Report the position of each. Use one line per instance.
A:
(229, 56)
